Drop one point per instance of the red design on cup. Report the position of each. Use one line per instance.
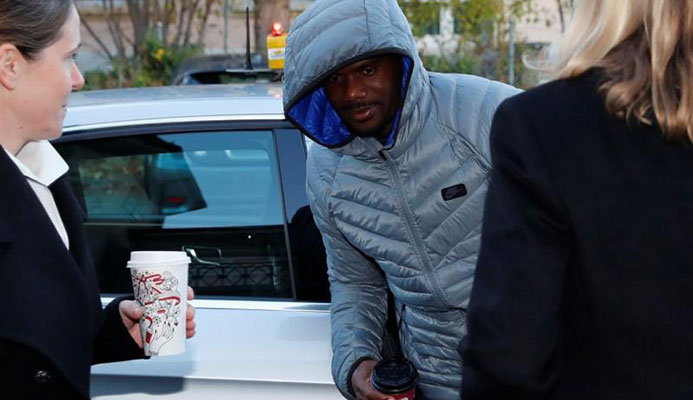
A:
(404, 396)
(161, 298)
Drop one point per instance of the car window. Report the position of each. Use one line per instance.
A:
(215, 195)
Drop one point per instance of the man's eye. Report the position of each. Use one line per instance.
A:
(333, 79)
(368, 71)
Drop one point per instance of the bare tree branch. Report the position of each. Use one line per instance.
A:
(561, 15)
(114, 27)
(188, 25)
(96, 38)
(169, 12)
(156, 12)
(140, 26)
(203, 22)
(147, 15)
(181, 21)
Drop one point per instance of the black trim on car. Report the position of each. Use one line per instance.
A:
(278, 152)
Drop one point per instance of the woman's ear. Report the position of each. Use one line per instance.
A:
(10, 65)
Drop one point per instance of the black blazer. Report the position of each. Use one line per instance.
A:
(584, 283)
(49, 296)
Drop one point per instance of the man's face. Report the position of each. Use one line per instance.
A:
(366, 94)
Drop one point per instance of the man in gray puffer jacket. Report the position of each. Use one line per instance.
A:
(396, 185)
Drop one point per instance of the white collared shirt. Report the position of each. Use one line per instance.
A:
(41, 164)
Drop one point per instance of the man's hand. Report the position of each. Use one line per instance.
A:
(361, 382)
(131, 312)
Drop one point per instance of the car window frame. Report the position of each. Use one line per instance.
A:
(285, 148)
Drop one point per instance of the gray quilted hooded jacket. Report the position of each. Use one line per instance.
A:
(404, 215)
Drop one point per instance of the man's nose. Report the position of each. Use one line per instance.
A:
(355, 89)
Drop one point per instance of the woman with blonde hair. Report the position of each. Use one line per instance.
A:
(584, 283)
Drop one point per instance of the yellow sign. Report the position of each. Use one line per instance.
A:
(275, 51)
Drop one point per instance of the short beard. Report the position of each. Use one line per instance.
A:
(380, 132)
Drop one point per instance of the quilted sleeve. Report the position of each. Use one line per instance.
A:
(358, 287)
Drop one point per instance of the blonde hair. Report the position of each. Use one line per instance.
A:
(645, 48)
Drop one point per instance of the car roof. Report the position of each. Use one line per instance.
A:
(122, 107)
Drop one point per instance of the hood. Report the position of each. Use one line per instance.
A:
(326, 37)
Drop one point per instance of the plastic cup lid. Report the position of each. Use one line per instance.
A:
(394, 376)
(139, 259)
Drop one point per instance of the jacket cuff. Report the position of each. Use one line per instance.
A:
(349, 374)
(113, 342)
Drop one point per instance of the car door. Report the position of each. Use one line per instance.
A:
(232, 196)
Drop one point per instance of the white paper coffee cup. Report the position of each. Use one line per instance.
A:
(160, 282)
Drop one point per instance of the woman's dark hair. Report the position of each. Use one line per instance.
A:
(32, 25)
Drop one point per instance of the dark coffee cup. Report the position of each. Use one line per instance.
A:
(397, 378)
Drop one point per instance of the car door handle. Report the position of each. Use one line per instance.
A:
(195, 251)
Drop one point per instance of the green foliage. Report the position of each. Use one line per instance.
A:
(159, 63)
(424, 16)
(460, 65)
(480, 29)
(98, 79)
(474, 18)
(155, 67)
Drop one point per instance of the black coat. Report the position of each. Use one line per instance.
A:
(50, 310)
(584, 284)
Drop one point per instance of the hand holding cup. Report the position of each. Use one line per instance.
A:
(131, 313)
(361, 382)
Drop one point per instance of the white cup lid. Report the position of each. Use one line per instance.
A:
(139, 259)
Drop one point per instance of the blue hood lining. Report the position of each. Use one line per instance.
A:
(317, 118)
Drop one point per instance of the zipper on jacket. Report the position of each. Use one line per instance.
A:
(409, 222)
(401, 317)
(402, 336)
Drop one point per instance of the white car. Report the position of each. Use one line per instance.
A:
(218, 172)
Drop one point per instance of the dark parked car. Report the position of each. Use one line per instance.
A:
(221, 69)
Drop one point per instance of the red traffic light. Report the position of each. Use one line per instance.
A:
(277, 29)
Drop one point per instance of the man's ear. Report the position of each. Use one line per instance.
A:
(11, 62)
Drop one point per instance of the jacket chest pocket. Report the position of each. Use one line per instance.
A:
(472, 168)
